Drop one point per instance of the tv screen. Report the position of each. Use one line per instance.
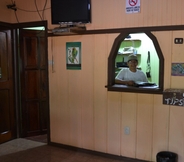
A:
(70, 11)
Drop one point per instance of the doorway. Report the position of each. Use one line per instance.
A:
(34, 82)
(30, 108)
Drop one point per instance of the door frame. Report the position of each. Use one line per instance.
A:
(18, 26)
(14, 27)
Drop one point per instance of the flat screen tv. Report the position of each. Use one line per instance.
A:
(69, 12)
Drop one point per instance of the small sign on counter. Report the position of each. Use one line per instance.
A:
(173, 97)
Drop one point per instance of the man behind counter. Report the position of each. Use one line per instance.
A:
(128, 76)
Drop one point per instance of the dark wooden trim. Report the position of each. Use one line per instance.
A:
(15, 54)
(112, 56)
(111, 156)
(111, 66)
(30, 24)
(161, 59)
(120, 30)
(5, 25)
(119, 88)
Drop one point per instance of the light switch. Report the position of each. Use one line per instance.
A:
(178, 40)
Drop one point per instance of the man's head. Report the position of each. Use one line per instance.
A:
(132, 57)
(132, 62)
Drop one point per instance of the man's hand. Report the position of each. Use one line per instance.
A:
(130, 83)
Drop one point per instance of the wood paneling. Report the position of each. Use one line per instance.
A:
(144, 126)
(176, 130)
(128, 119)
(85, 115)
(58, 80)
(113, 123)
(160, 126)
(165, 41)
(100, 93)
(177, 57)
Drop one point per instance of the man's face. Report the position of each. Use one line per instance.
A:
(132, 63)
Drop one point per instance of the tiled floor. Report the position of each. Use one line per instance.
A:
(23, 150)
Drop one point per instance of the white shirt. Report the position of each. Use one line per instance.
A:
(126, 74)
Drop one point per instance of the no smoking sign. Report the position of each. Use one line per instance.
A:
(132, 6)
(132, 2)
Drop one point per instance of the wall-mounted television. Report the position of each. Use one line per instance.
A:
(69, 12)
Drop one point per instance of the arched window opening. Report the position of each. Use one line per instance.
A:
(150, 60)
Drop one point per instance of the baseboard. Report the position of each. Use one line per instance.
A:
(127, 159)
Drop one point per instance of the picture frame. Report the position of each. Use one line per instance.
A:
(73, 55)
(177, 69)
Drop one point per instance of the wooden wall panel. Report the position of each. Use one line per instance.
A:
(96, 120)
(113, 123)
(5, 13)
(160, 126)
(75, 106)
(166, 12)
(165, 41)
(176, 130)
(177, 49)
(87, 114)
(176, 118)
(144, 126)
(74, 101)
(58, 80)
(110, 14)
(113, 112)
(128, 119)
(100, 93)
(177, 57)
(175, 12)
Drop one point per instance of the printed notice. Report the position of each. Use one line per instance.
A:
(132, 6)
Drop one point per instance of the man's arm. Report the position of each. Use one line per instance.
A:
(119, 79)
(125, 82)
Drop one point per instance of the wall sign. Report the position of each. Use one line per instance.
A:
(73, 55)
(173, 97)
(132, 6)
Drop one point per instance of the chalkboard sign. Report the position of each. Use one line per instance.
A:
(173, 97)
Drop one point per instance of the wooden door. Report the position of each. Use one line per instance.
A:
(34, 82)
(7, 106)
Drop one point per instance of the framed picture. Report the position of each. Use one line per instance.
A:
(73, 55)
(177, 69)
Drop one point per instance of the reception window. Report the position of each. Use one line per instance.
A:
(145, 47)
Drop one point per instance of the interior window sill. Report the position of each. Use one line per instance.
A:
(125, 88)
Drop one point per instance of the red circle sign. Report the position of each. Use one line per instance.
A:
(132, 2)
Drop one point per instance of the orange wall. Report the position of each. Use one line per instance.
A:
(83, 113)
(6, 14)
